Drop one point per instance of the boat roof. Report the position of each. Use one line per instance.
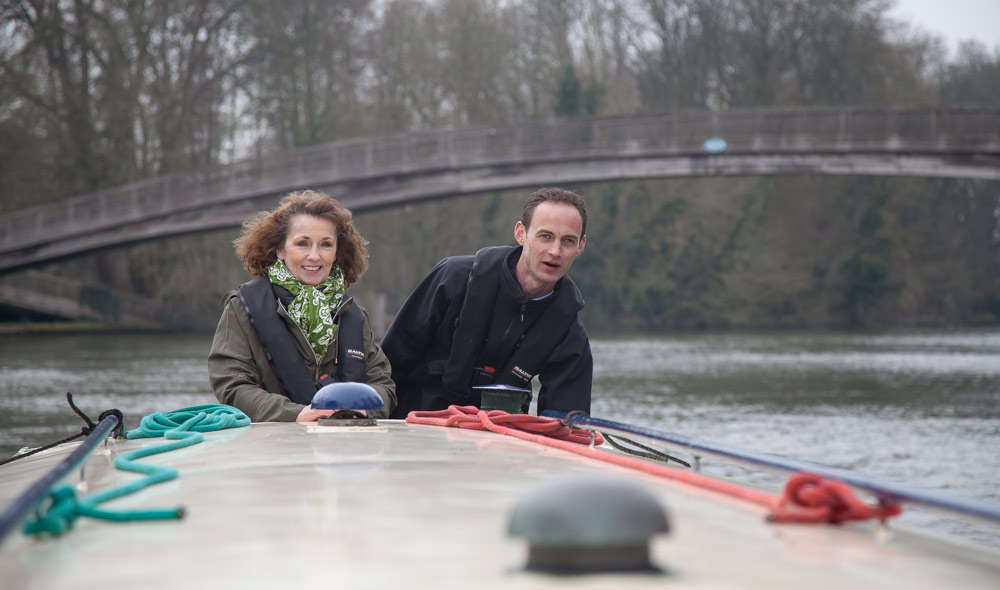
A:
(283, 504)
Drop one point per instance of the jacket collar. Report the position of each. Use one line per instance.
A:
(511, 288)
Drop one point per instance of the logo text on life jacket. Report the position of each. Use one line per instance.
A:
(522, 373)
(353, 353)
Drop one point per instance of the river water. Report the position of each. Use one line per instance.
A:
(916, 407)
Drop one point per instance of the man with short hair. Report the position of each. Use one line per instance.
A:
(500, 317)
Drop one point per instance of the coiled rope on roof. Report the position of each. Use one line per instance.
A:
(182, 428)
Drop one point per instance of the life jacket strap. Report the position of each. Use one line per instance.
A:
(297, 383)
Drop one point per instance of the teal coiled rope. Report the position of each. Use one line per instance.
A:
(183, 428)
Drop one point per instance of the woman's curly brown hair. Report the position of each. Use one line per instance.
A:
(263, 235)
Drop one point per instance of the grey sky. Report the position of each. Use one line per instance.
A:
(955, 20)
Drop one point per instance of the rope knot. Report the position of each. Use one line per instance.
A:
(58, 517)
(119, 430)
(827, 500)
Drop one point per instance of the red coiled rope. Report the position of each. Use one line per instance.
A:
(827, 500)
(817, 499)
(473, 418)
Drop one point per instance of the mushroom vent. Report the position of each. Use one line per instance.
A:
(347, 398)
(588, 525)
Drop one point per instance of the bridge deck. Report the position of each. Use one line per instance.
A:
(388, 171)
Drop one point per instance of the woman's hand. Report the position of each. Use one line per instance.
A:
(308, 414)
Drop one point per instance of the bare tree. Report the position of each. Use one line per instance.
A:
(476, 51)
(49, 63)
(974, 77)
(839, 51)
(307, 64)
(672, 72)
(126, 89)
(195, 58)
(405, 75)
(608, 35)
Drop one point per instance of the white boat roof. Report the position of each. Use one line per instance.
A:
(288, 505)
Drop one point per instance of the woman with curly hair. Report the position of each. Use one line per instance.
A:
(293, 329)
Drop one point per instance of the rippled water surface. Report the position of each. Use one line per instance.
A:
(921, 408)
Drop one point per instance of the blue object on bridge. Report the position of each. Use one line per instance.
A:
(715, 145)
(347, 395)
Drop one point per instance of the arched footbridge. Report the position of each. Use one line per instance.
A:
(379, 172)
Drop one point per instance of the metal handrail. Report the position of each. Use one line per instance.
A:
(33, 496)
(881, 488)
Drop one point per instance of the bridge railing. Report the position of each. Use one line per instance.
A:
(773, 131)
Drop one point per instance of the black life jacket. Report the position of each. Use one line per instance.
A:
(261, 304)
(516, 361)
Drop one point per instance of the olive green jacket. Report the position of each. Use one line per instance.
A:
(242, 377)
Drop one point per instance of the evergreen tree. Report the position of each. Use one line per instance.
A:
(569, 97)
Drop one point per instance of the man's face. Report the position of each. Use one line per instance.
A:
(551, 244)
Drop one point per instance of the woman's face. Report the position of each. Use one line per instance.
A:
(310, 248)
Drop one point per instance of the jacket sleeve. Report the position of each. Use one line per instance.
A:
(234, 374)
(415, 329)
(567, 377)
(378, 371)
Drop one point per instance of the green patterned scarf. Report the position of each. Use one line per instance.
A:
(313, 306)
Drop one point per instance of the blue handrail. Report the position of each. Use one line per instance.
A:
(883, 489)
(33, 496)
